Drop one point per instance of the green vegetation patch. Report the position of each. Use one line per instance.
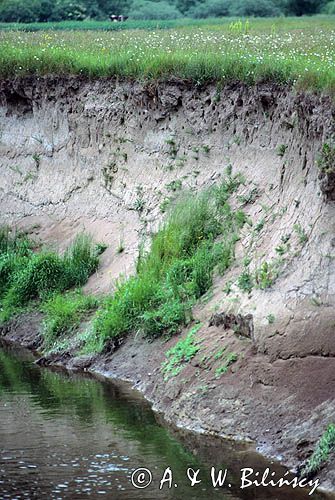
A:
(324, 448)
(230, 359)
(271, 318)
(198, 236)
(180, 354)
(262, 277)
(287, 51)
(26, 275)
(15, 251)
(63, 315)
(267, 273)
(301, 233)
(326, 160)
(245, 281)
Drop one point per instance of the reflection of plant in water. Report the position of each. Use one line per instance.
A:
(89, 400)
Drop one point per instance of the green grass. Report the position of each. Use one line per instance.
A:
(324, 448)
(198, 236)
(26, 275)
(63, 315)
(301, 233)
(15, 252)
(255, 24)
(92, 25)
(219, 354)
(293, 51)
(177, 357)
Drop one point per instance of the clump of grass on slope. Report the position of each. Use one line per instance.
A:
(324, 448)
(26, 276)
(199, 234)
(81, 260)
(64, 313)
(13, 241)
(15, 251)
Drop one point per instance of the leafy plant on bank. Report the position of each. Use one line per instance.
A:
(262, 277)
(245, 281)
(184, 350)
(230, 359)
(324, 448)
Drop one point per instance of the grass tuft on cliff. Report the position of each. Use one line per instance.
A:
(26, 275)
(198, 236)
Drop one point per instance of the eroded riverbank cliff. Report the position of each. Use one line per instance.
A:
(108, 156)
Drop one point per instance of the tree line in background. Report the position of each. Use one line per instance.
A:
(75, 10)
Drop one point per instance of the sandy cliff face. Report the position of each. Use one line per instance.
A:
(106, 156)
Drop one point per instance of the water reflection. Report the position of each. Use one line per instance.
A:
(65, 436)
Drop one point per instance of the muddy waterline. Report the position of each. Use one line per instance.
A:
(69, 436)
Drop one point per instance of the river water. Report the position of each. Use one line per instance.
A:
(70, 436)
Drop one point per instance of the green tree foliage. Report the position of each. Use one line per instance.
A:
(117, 7)
(26, 11)
(44, 10)
(93, 9)
(210, 8)
(217, 8)
(257, 8)
(68, 10)
(185, 5)
(19, 11)
(301, 7)
(329, 8)
(146, 9)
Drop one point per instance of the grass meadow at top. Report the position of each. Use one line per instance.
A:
(293, 51)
